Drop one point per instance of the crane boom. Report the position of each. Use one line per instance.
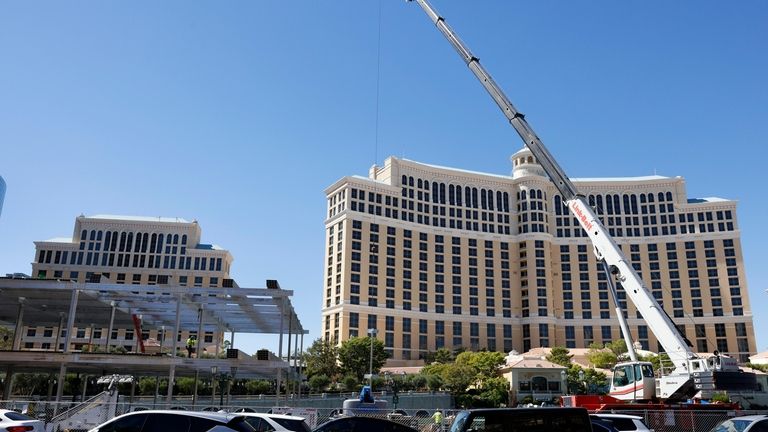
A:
(687, 363)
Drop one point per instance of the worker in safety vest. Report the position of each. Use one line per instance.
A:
(191, 341)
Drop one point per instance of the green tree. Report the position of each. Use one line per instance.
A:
(417, 381)
(434, 382)
(560, 355)
(484, 364)
(593, 381)
(351, 383)
(322, 359)
(355, 355)
(601, 357)
(319, 382)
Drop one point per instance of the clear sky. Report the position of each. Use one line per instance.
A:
(239, 114)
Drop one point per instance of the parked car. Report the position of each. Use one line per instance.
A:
(275, 422)
(12, 421)
(624, 422)
(362, 424)
(522, 420)
(600, 425)
(175, 420)
(751, 423)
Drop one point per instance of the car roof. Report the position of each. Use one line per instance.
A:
(280, 416)
(612, 415)
(750, 417)
(205, 414)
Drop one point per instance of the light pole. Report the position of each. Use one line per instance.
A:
(372, 332)
(214, 371)
(563, 378)
(581, 378)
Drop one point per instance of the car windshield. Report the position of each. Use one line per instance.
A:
(294, 425)
(16, 416)
(732, 426)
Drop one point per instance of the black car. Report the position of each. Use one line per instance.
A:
(362, 424)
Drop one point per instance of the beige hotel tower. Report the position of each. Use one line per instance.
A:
(437, 257)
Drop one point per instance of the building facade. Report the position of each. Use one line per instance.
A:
(128, 250)
(437, 257)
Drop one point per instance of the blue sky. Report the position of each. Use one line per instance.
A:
(239, 114)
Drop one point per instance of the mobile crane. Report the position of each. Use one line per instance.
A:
(633, 380)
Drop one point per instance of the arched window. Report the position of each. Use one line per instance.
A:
(410, 181)
(592, 201)
(84, 235)
(93, 235)
(490, 200)
(175, 239)
(642, 198)
(467, 196)
(129, 242)
(474, 197)
(442, 193)
(650, 197)
(669, 196)
(539, 383)
(633, 200)
(404, 180)
(558, 205)
(420, 184)
(144, 241)
(435, 192)
(451, 198)
(661, 196)
(523, 195)
(184, 239)
(483, 201)
(123, 236)
(137, 247)
(506, 201)
(609, 204)
(159, 244)
(616, 204)
(530, 159)
(599, 203)
(98, 235)
(458, 195)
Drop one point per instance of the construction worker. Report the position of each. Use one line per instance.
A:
(437, 417)
(191, 341)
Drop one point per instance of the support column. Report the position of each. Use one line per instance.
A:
(288, 387)
(280, 349)
(295, 368)
(200, 334)
(301, 361)
(177, 330)
(71, 321)
(60, 386)
(111, 322)
(19, 325)
(85, 387)
(58, 332)
(8, 385)
(171, 378)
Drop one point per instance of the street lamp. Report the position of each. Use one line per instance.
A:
(372, 332)
(581, 378)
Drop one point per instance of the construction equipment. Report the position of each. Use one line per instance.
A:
(691, 373)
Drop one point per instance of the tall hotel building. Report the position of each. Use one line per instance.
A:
(437, 257)
(128, 250)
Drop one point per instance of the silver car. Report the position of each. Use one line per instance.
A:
(751, 423)
(13, 421)
(624, 422)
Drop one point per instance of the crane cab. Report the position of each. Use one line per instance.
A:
(633, 381)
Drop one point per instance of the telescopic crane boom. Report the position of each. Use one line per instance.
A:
(680, 383)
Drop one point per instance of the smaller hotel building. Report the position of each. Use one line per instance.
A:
(128, 250)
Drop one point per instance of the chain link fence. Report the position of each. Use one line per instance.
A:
(420, 419)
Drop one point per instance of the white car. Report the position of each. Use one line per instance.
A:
(14, 422)
(275, 422)
(624, 422)
(751, 423)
